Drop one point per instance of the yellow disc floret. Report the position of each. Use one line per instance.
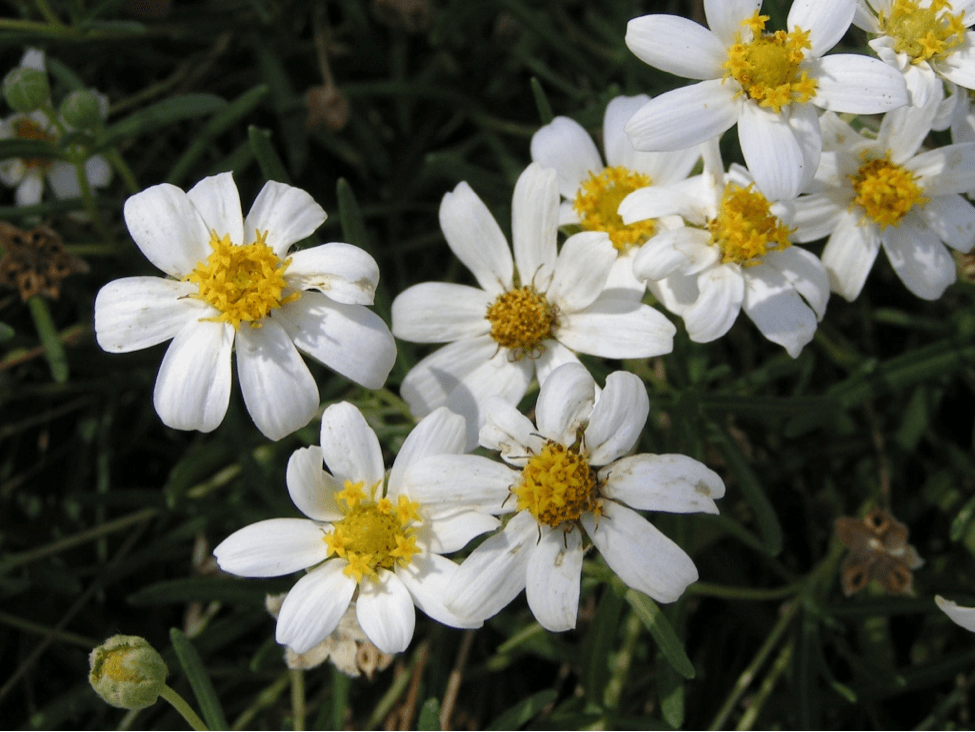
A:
(374, 534)
(557, 486)
(520, 320)
(600, 197)
(932, 31)
(27, 129)
(244, 283)
(769, 66)
(745, 229)
(886, 191)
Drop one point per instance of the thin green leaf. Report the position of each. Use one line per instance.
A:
(524, 711)
(353, 224)
(541, 101)
(670, 688)
(156, 116)
(662, 631)
(203, 589)
(429, 715)
(17, 147)
(196, 674)
(599, 644)
(272, 167)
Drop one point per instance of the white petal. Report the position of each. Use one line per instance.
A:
(614, 328)
(857, 84)
(98, 171)
(314, 606)
(676, 45)
(286, 213)
(439, 433)
(385, 612)
(440, 312)
(673, 483)
(963, 616)
(662, 255)
(553, 579)
(345, 273)
(452, 532)
(776, 308)
(193, 386)
(535, 224)
(272, 548)
(447, 484)
(30, 190)
(919, 258)
(581, 270)
(716, 308)
(804, 272)
(619, 149)
(137, 312)
(33, 58)
(350, 339)
(168, 229)
(655, 201)
(426, 579)
(804, 122)
(948, 169)
(903, 130)
(865, 18)
(959, 66)
(280, 393)
(772, 151)
(685, 116)
(618, 418)
(509, 432)
(952, 218)
(475, 237)
(565, 145)
(63, 178)
(815, 215)
(640, 555)
(826, 20)
(725, 16)
(554, 355)
(494, 573)
(565, 402)
(350, 447)
(218, 203)
(849, 255)
(311, 489)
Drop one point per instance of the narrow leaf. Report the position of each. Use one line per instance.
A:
(199, 680)
(662, 631)
(522, 712)
(429, 715)
(156, 116)
(272, 167)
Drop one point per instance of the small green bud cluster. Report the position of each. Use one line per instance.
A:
(127, 672)
(26, 89)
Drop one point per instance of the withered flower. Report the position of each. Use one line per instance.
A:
(35, 261)
(878, 550)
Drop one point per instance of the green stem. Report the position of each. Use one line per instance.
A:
(180, 705)
(123, 169)
(742, 593)
(768, 685)
(298, 699)
(46, 11)
(89, 200)
(57, 359)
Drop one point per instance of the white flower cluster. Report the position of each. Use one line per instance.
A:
(706, 246)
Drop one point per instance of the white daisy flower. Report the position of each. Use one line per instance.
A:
(884, 192)
(531, 312)
(593, 191)
(570, 486)
(361, 537)
(928, 41)
(234, 287)
(771, 84)
(734, 253)
(27, 175)
(963, 616)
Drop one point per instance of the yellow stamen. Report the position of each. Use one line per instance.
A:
(768, 67)
(557, 486)
(745, 229)
(521, 319)
(600, 197)
(244, 282)
(27, 129)
(923, 33)
(886, 191)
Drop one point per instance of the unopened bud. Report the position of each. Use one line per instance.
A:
(80, 109)
(127, 672)
(26, 89)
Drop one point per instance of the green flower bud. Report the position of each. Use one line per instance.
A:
(127, 672)
(26, 89)
(80, 110)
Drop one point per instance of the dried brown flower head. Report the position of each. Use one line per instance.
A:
(878, 550)
(412, 15)
(35, 261)
(327, 107)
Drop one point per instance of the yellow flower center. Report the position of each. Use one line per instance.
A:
(557, 486)
(923, 33)
(745, 229)
(373, 534)
(243, 282)
(27, 129)
(768, 67)
(521, 319)
(600, 197)
(886, 191)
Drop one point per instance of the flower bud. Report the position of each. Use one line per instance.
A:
(127, 672)
(26, 89)
(80, 110)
